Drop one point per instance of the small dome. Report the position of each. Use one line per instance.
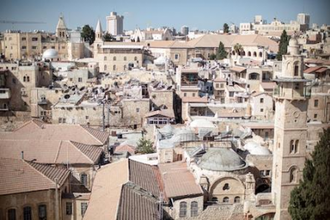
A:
(256, 149)
(201, 123)
(293, 42)
(50, 54)
(221, 159)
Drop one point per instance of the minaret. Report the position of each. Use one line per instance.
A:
(61, 30)
(290, 129)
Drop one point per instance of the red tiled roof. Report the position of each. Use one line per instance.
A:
(137, 203)
(178, 181)
(238, 69)
(144, 175)
(125, 148)
(36, 130)
(312, 69)
(19, 176)
(268, 85)
(322, 70)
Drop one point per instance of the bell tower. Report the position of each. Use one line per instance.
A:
(289, 152)
(61, 30)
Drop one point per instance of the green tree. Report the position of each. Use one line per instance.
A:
(107, 37)
(283, 46)
(88, 34)
(310, 200)
(221, 52)
(144, 147)
(238, 48)
(225, 28)
(212, 56)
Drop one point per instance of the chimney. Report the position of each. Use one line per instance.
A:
(22, 155)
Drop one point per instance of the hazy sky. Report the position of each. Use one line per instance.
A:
(201, 14)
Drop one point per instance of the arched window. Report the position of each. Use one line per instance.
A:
(260, 54)
(254, 54)
(233, 52)
(27, 213)
(249, 53)
(237, 199)
(105, 58)
(114, 67)
(194, 209)
(105, 67)
(225, 200)
(42, 212)
(293, 175)
(183, 209)
(24, 79)
(226, 186)
(28, 79)
(243, 53)
(83, 179)
(114, 58)
(296, 69)
(125, 67)
(296, 146)
(11, 214)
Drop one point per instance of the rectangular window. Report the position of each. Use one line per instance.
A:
(12, 214)
(261, 100)
(137, 110)
(69, 208)
(83, 208)
(217, 85)
(23, 47)
(261, 110)
(27, 213)
(185, 94)
(231, 94)
(23, 38)
(79, 79)
(34, 47)
(34, 39)
(44, 47)
(315, 116)
(316, 103)
(222, 85)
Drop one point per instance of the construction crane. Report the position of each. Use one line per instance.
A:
(21, 22)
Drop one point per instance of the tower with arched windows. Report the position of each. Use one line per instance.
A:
(289, 150)
(61, 30)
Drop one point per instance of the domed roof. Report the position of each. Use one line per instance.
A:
(256, 149)
(201, 123)
(293, 42)
(221, 159)
(50, 54)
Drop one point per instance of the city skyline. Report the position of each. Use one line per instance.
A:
(148, 13)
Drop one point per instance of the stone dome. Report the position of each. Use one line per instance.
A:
(293, 42)
(221, 159)
(256, 149)
(50, 54)
(201, 123)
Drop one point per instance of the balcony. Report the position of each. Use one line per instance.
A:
(5, 93)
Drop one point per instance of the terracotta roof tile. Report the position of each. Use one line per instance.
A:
(312, 69)
(178, 181)
(18, 176)
(144, 175)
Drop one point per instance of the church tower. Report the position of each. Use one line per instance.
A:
(290, 129)
(98, 38)
(61, 30)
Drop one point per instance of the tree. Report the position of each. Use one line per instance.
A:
(311, 198)
(221, 53)
(283, 46)
(107, 37)
(88, 34)
(212, 56)
(238, 48)
(225, 28)
(144, 146)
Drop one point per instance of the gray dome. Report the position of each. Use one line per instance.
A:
(221, 159)
(50, 54)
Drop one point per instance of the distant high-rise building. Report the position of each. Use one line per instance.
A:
(185, 30)
(115, 24)
(303, 19)
(258, 19)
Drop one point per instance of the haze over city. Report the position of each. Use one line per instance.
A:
(202, 15)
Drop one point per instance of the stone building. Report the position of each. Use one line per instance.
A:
(25, 45)
(290, 129)
(32, 190)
